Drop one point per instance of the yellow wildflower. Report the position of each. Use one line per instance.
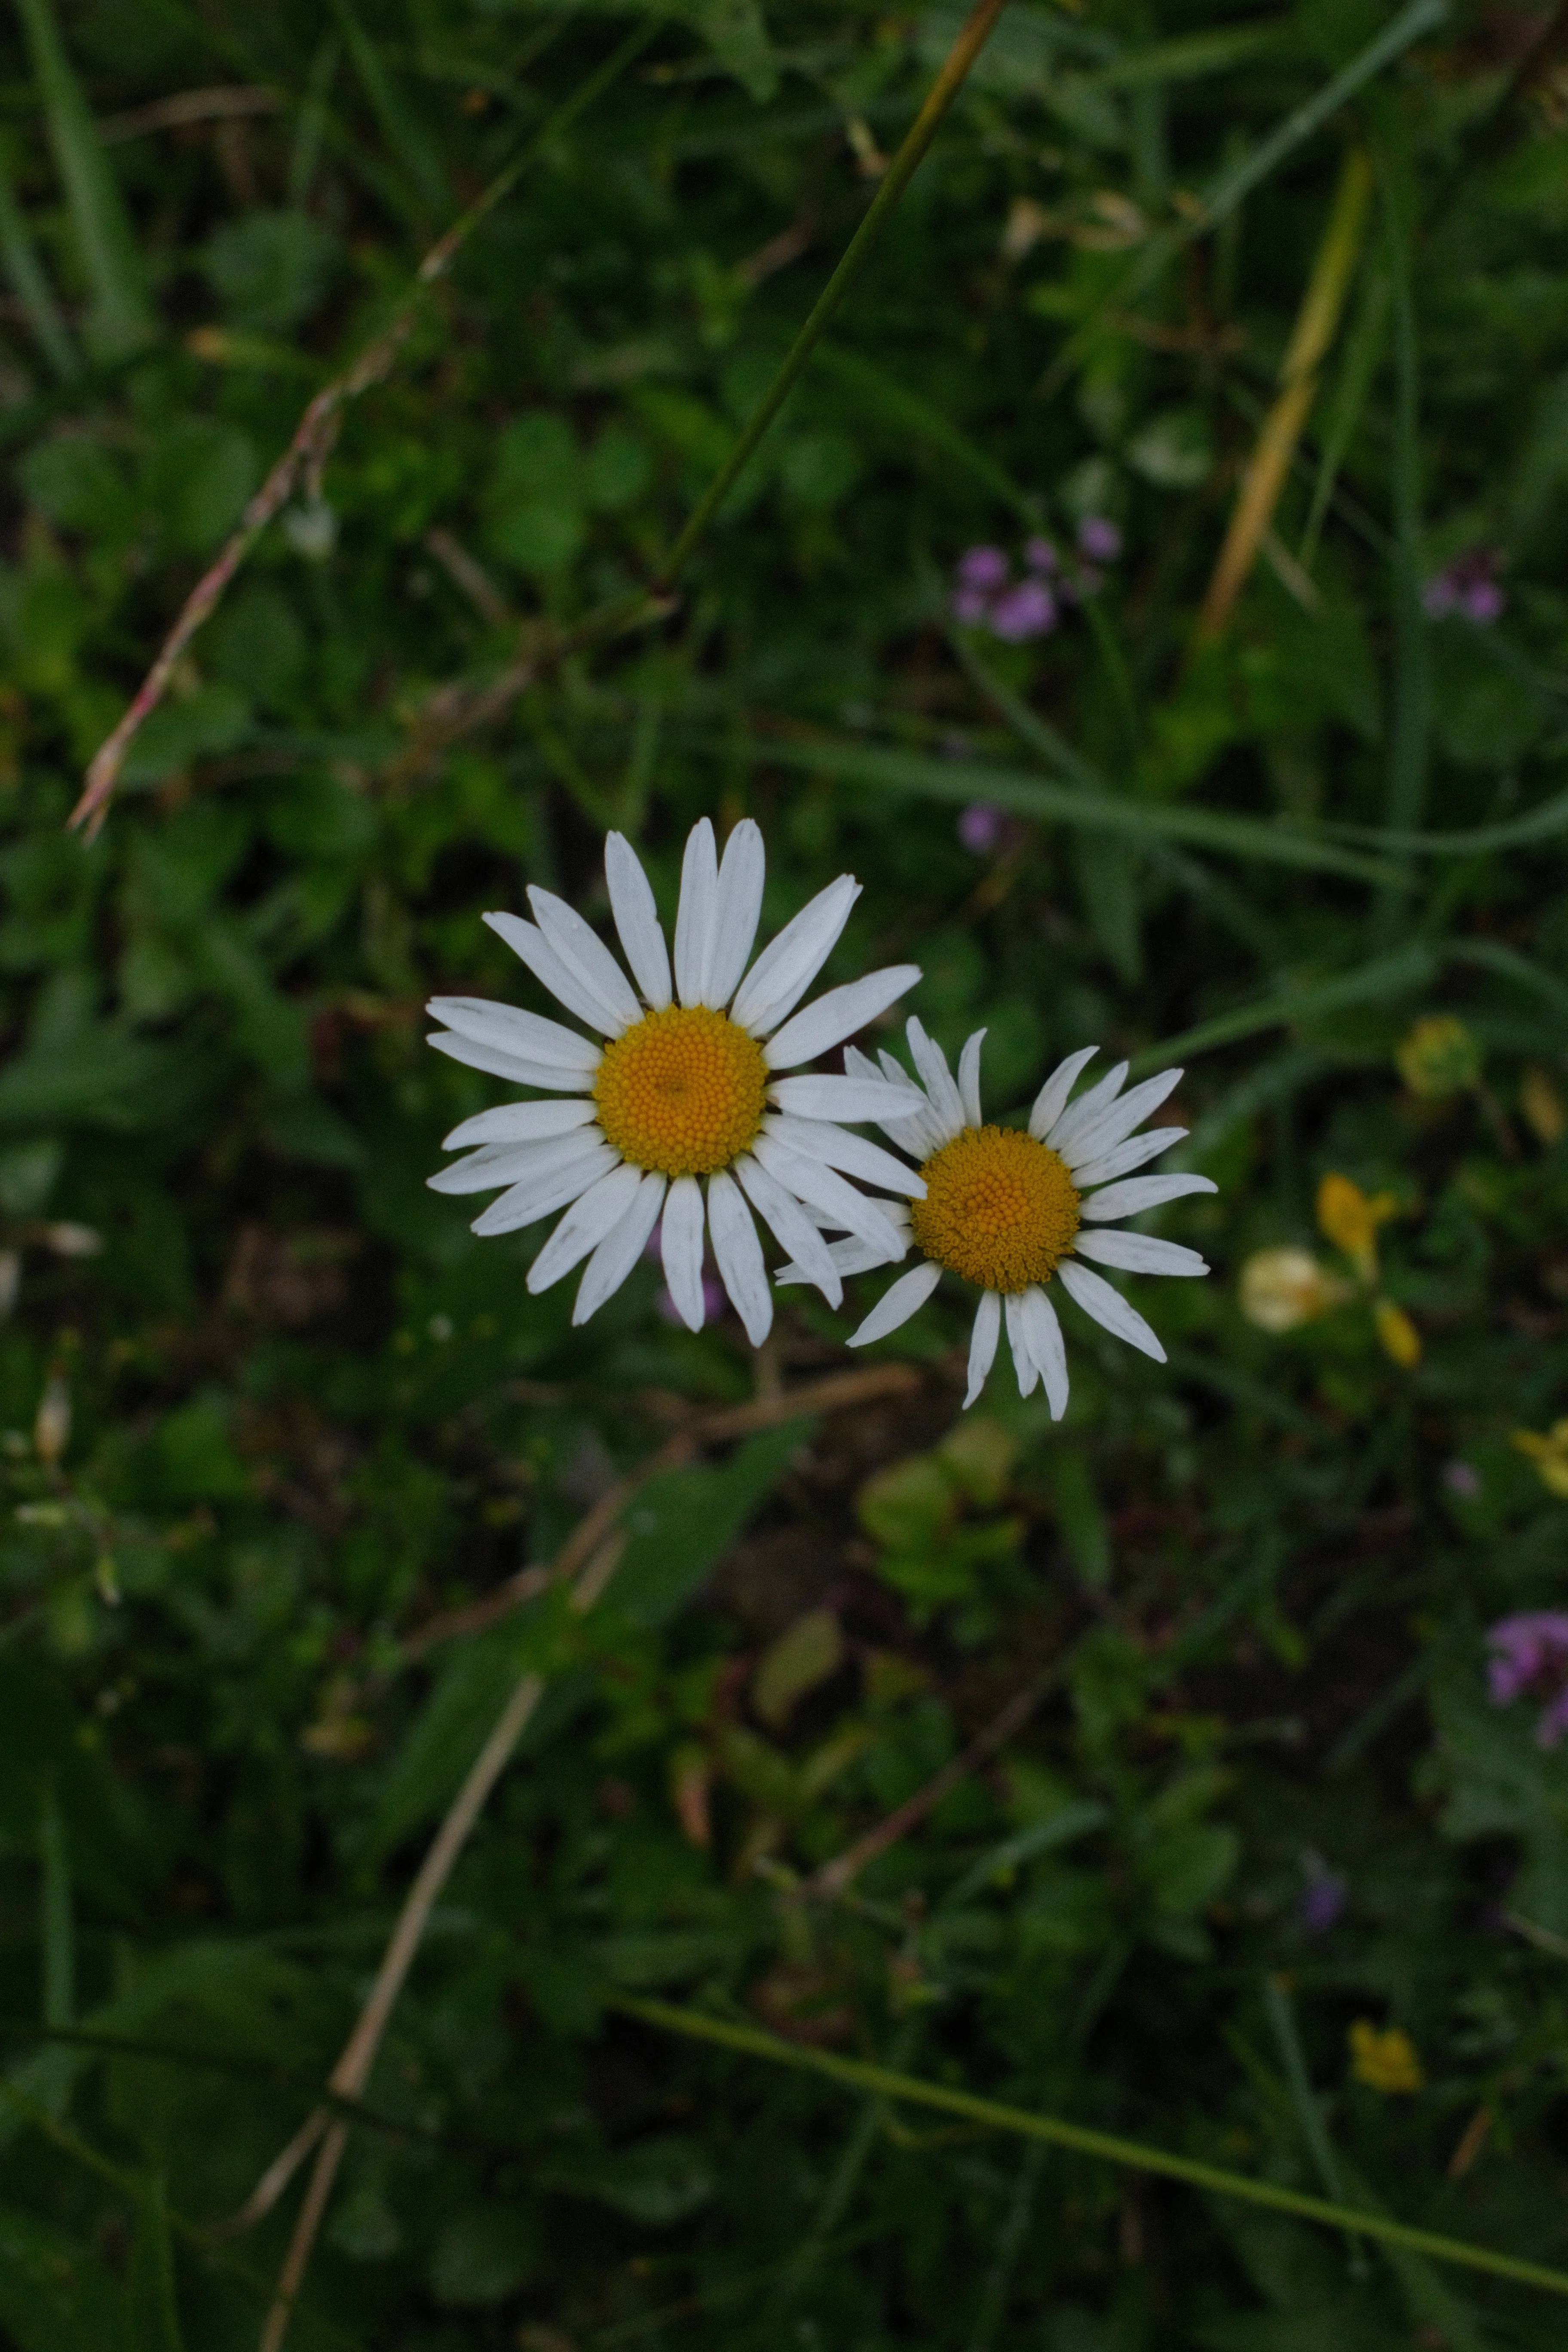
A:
(1438, 1057)
(1283, 1288)
(1549, 1453)
(1399, 1336)
(1385, 2058)
(1543, 1105)
(1350, 1218)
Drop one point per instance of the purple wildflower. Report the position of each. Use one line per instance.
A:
(1532, 1650)
(1029, 610)
(981, 567)
(981, 827)
(1099, 539)
(1040, 555)
(1323, 1901)
(1461, 1478)
(1467, 586)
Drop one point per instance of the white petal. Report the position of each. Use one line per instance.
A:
(837, 1016)
(896, 1305)
(636, 920)
(818, 1138)
(946, 1102)
(850, 1256)
(788, 965)
(561, 978)
(584, 1226)
(620, 1249)
(1141, 1193)
(853, 1097)
(521, 1073)
(527, 1202)
(1140, 1254)
(1107, 1307)
(1116, 1123)
(1087, 1108)
(513, 1164)
(1024, 1363)
(582, 950)
(922, 1133)
(813, 1180)
(790, 1226)
(523, 1122)
(982, 1343)
(740, 904)
(969, 1079)
(1051, 1100)
(509, 1030)
(738, 1253)
(1127, 1156)
(697, 914)
(680, 1244)
(1044, 1334)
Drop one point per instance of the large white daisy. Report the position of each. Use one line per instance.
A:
(687, 1094)
(1009, 1209)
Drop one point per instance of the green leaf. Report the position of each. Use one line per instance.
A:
(54, 2295)
(681, 1524)
(471, 1687)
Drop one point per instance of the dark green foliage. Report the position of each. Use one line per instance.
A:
(1263, 1792)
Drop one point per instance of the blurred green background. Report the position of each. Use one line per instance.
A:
(1268, 1876)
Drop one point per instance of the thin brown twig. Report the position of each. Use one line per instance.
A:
(313, 437)
(828, 1883)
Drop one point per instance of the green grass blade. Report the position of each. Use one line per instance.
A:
(1357, 368)
(310, 129)
(1540, 823)
(407, 140)
(1411, 720)
(1404, 974)
(56, 2070)
(29, 282)
(1109, 2147)
(121, 316)
(1189, 57)
(962, 781)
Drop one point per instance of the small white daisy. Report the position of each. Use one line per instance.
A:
(1008, 1210)
(687, 1089)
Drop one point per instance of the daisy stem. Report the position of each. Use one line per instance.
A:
(955, 67)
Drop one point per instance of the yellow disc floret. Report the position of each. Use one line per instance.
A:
(1000, 1209)
(682, 1091)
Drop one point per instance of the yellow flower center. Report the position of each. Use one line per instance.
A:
(682, 1091)
(999, 1208)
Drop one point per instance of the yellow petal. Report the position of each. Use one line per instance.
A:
(1399, 1336)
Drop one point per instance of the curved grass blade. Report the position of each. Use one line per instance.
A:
(1146, 821)
(1537, 824)
(1404, 974)
(1133, 2155)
